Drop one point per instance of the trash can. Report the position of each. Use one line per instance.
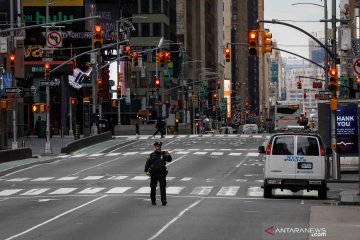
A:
(42, 129)
(103, 125)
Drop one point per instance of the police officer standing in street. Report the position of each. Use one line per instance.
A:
(155, 167)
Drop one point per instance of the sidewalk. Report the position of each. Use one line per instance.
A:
(37, 145)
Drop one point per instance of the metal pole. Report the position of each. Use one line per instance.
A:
(94, 57)
(326, 68)
(48, 149)
(14, 144)
(118, 69)
(71, 133)
(335, 155)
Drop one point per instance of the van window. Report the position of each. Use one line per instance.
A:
(283, 145)
(307, 146)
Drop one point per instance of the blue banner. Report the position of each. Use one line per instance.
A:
(347, 130)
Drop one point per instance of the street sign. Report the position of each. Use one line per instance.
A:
(13, 90)
(47, 57)
(356, 65)
(48, 83)
(53, 39)
(323, 95)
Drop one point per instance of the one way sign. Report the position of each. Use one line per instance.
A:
(13, 90)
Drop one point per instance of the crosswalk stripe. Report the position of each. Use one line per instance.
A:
(148, 152)
(117, 177)
(9, 192)
(174, 190)
(35, 191)
(118, 190)
(200, 153)
(92, 178)
(42, 179)
(186, 179)
(234, 154)
(181, 152)
(255, 192)
(112, 154)
(252, 154)
(61, 191)
(66, 178)
(217, 153)
(17, 179)
(130, 153)
(202, 190)
(96, 155)
(78, 155)
(143, 190)
(91, 190)
(170, 178)
(140, 178)
(228, 191)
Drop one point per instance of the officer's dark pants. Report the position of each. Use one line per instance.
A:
(153, 183)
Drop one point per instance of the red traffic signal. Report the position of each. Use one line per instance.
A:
(157, 83)
(299, 84)
(74, 101)
(227, 54)
(253, 43)
(135, 59)
(98, 37)
(12, 63)
(47, 70)
(215, 96)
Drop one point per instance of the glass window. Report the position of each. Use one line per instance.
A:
(157, 6)
(145, 6)
(157, 29)
(166, 7)
(145, 30)
(283, 145)
(307, 146)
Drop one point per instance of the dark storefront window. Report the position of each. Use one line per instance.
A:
(145, 6)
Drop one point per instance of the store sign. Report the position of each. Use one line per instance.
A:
(347, 129)
(55, 3)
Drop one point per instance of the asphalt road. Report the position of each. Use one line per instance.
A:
(214, 192)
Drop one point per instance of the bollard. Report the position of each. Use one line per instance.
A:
(77, 132)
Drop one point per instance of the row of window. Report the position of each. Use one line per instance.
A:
(151, 30)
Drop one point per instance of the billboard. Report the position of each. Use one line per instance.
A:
(54, 3)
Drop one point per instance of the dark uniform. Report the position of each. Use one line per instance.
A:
(156, 167)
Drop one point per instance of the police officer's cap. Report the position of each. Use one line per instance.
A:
(157, 144)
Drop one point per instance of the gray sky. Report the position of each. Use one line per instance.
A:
(300, 15)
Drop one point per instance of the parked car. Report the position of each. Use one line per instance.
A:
(295, 161)
(250, 128)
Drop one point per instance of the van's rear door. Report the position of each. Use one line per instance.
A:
(310, 164)
(281, 159)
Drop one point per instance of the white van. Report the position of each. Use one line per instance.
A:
(295, 161)
(250, 128)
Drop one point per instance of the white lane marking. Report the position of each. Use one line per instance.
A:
(147, 152)
(225, 149)
(217, 153)
(66, 178)
(54, 218)
(17, 179)
(240, 163)
(125, 146)
(244, 136)
(96, 155)
(200, 153)
(228, 191)
(61, 191)
(210, 180)
(174, 161)
(252, 154)
(117, 177)
(91, 190)
(141, 178)
(97, 165)
(186, 179)
(257, 136)
(9, 192)
(174, 220)
(92, 178)
(170, 178)
(177, 150)
(202, 190)
(234, 154)
(35, 191)
(42, 179)
(174, 190)
(112, 154)
(143, 190)
(241, 180)
(64, 156)
(78, 155)
(118, 190)
(130, 153)
(181, 152)
(255, 191)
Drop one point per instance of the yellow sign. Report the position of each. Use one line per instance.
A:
(55, 3)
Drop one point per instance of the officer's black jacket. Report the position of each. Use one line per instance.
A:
(156, 162)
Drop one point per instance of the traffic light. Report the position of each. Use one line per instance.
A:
(215, 96)
(74, 101)
(35, 108)
(12, 63)
(299, 84)
(38, 108)
(118, 91)
(214, 108)
(100, 87)
(246, 104)
(266, 42)
(135, 59)
(253, 43)
(157, 83)
(218, 84)
(162, 59)
(167, 57)
(47, 71)
(334, 83)
(227, 54)
(98, 37)
(127, 52)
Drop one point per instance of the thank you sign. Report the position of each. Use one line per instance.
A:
(347, 130)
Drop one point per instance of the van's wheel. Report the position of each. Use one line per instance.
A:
(322, 193)
(267, 192)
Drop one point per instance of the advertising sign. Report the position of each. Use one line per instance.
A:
(347, 130)
(32, 3)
